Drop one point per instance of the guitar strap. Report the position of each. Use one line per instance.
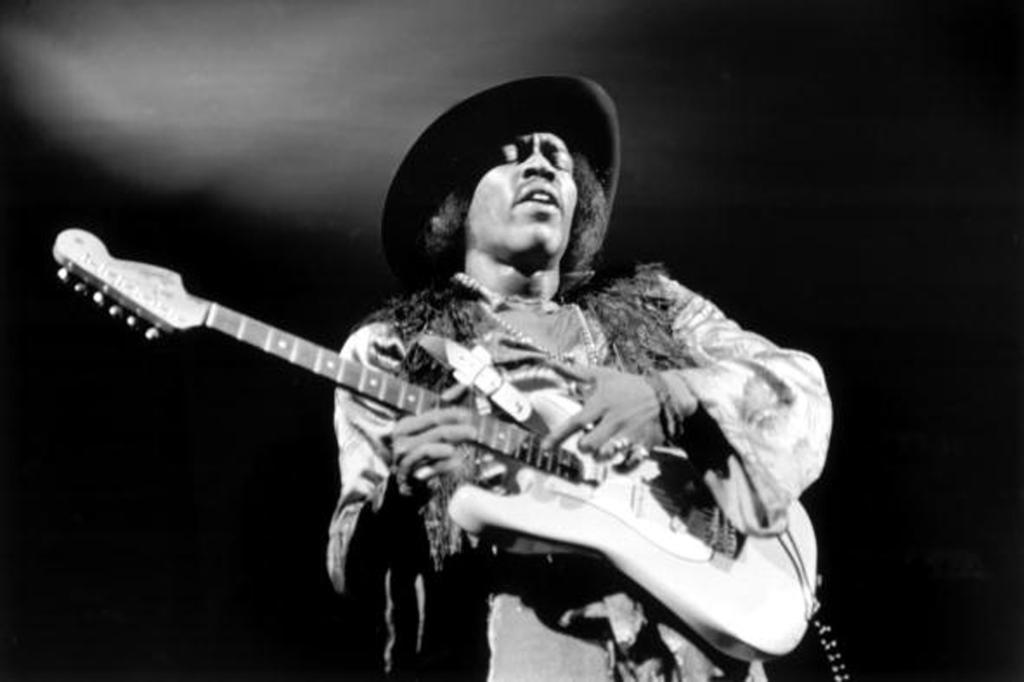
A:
(475, 369)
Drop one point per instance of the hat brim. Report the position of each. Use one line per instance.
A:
(576, 109)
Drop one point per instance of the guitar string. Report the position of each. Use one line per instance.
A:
(661, 496)
(528, 437)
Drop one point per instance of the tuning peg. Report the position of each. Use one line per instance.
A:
(63, 275)
(98, 299)
(115, 310)
(152, 334)
(80, 288)
(131, 320)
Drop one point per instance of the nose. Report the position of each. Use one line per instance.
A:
(541, 170)
(536, 164)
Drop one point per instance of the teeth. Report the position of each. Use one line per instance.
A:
(541, 196)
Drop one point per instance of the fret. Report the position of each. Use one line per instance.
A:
(304, 354)
(502, 436)
(551, 458)
(223, 319)
(529, 450)
(535, 455)
(506, 439)
(330, 367)
(239, 326)
(256, 333)
(560, 462)
(380, 387)
(546, 461)
(521, 449)
(569, 466)
(430, 401)
(371, 383)
(555, 461)
(479, 424)
(517, 437)
(280, 343)
(486, 432)
(538, 456)
(318, 359)
(412, 399)
(391, 393)
(403, 394)
(349, 374)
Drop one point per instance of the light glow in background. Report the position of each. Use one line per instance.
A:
(281, 107)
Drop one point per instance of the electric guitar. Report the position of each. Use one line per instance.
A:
(751, 604)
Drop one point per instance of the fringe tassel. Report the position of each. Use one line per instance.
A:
(445, 538)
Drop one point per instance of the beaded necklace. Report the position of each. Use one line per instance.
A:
(492, 299)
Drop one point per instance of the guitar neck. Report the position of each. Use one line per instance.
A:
(371, 383)
(500, 437)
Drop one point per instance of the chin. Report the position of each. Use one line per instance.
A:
(528, 257)
(542, 242)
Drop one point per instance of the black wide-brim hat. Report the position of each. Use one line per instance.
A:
(454, 151)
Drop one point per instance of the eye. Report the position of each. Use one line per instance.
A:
(562, 160)
(524, 147)
(557, 155)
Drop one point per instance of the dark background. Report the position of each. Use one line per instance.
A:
(842, 177)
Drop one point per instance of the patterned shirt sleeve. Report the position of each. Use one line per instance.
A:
(360, 426)
(770, 404)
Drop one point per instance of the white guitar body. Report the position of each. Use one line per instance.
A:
(752, 606)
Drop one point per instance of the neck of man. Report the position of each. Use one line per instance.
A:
(508, 280)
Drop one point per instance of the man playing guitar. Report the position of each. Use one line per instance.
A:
(493, 223)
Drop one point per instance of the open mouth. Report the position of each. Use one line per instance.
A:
(540, 196)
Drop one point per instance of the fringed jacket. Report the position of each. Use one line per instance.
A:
(768, 409)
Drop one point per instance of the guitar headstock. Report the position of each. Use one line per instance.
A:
(145, 296)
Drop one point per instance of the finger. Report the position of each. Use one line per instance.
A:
(586, 378)
(604, 432)
(454, 393)
(426, 454)
(440, 462)
(450, 464)
(421, 422)
(574, 372)
(424, 473)
(582, 420)
(452, 434)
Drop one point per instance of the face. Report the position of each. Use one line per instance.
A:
(522, 209)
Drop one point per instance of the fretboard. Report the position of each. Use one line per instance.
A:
(495, 435)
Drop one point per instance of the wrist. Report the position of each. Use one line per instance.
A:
(672, 409)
